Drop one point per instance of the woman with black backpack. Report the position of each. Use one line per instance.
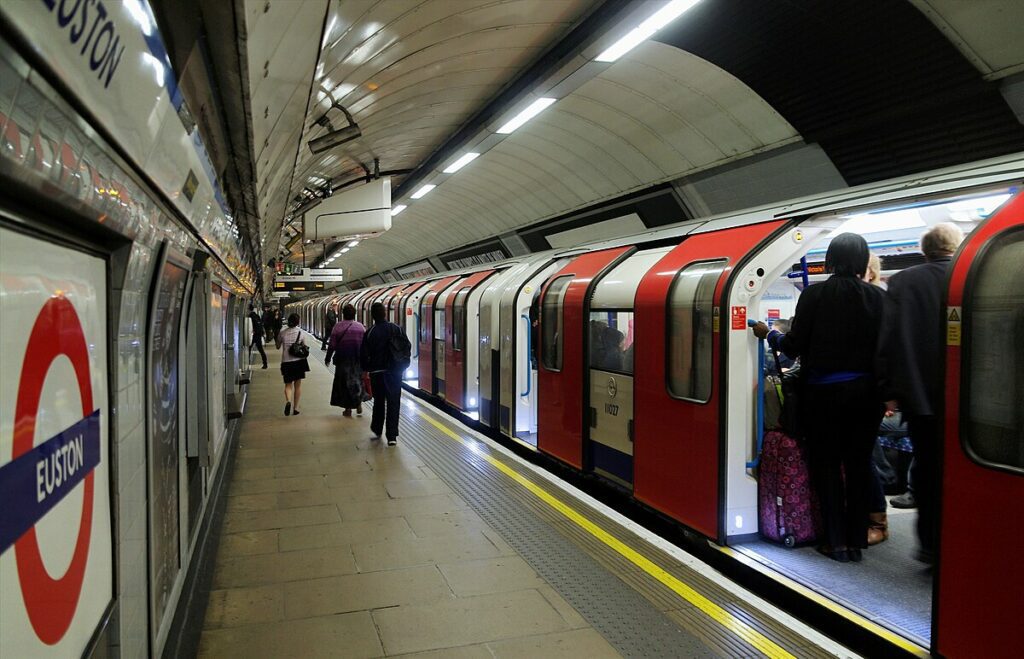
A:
(293, 363)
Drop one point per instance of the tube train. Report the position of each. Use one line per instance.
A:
(123, 295)
(631, 360)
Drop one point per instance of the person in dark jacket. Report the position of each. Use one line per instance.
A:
(257, 334)
(913, 351)
(330, 319)
(377, 357)
(268, 324)
(835, 334)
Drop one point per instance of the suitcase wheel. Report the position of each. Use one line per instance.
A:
(789, 541)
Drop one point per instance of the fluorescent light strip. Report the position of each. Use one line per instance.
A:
(645, 30)
(353, 243)
(398, 209)
(422, 192)
(345, 249)
(460, 163)
(530, 112)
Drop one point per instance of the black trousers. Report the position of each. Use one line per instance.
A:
(926, 471)
(257, 342)
(387, 401)
(842, 425)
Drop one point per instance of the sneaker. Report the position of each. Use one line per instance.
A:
(347, 413)
(264, 367)
(288, 408)
(904, 501)
(359, 411)
(392, 441)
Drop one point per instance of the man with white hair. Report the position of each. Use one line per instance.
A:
(913, 350)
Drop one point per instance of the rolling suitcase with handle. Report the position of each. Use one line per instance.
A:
(786, 505)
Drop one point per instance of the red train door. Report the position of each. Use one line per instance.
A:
(455, 338)
(677, 383)
(560, 379)
(426, 334)
(981, 577)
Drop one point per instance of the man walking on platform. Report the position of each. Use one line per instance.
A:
(385, 354)
(257, 334)
(330, 320)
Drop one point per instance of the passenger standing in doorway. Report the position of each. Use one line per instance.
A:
(878, 514)
(257, 334)
(385, 356)
(344, 345)
(835, 334)
(913, 350)
(293, 368)
(330, 319)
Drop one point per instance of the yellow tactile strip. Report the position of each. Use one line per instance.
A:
(657, 576)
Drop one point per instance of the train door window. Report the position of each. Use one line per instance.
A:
(551, 323)
(459, 319)
(611, 341)
(690, 330)
(994, 355)
(424, 320)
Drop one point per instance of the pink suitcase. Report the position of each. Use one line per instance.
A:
(787, 506)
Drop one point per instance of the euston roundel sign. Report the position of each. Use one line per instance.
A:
(38, 477)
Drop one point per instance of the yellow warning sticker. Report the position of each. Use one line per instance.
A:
(954, 316)
(714, 319)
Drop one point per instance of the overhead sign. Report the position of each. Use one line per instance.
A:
(288, 286)
(55, 538)
(312, 274)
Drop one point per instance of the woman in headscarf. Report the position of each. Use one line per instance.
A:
(343, 346)
(835, 333)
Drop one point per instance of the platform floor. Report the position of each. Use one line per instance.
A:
(446, 546)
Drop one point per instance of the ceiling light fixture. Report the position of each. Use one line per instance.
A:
(460, 163)
(353, 243)
(345, 249)
(423, 191)
(398, 209)
(531, 111)
(645, 30)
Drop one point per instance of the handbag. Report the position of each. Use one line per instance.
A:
(789, 389)
(298, 348)
(367, 388)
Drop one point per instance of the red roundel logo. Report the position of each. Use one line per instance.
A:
(50, 602)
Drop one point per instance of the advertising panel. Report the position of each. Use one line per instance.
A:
(163, 440)
(56, 562)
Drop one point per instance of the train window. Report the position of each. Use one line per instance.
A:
(424, 320)
(994, 352)
(690, 331)
(459, 319)
(551, 323)
(611, 341)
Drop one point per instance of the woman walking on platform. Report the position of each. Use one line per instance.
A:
(293, 366)
(343, 344)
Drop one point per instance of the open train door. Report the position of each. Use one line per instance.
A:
(981, 576)
(678, 328)
(560, 379)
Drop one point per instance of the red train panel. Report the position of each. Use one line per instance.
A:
(677, 455)
(560, 405)
(426, 337)
(980, 577)
(455, 360)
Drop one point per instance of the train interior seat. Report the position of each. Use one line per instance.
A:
(889, 586)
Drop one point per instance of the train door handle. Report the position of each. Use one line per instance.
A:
(529, 353)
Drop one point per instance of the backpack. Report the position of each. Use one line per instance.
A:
(399, 349)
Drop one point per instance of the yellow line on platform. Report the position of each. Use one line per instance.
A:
(714, 611)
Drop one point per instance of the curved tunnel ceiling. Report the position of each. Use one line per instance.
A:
(885, 87)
